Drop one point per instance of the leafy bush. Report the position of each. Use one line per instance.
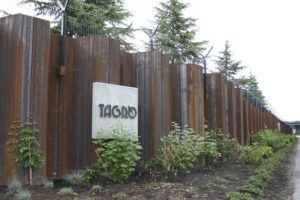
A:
(272, 138)
(210, 149)
(255, 153)
(118, 155)
(238, 196)
(48, 184)
(23, 195)
(180, 149)
(93, 172)
(75, 177)
(65, 191)
(14, 186)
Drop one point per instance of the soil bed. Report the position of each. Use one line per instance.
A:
(202, 183)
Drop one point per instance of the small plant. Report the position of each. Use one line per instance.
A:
(252, 189)
(22, 139)
(75, 177)
(65, 191)
(23, 195)
(48, 184)
(117, 156)
(96, 188)
(14, 186)
(255, 153)
(181, 148)
(92, 173)
(238, 196)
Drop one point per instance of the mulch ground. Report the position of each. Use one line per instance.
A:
(202, 183)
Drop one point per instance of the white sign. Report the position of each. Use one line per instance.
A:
(113, 104)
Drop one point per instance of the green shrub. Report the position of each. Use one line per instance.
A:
(14, 186)
(96, 188)
(65, 191)
(210, 150)
(257, 181)
(23, 195)
(92, 173)
(255, 153)
(119, 154)
(75, 177)
(48, 184)
(252, 189)
(180, 149)
(238, 196)
(272, 138)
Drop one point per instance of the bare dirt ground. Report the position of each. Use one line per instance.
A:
(202, 183)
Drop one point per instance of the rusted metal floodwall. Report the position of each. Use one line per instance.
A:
(24, 61)
(187, 96)
(87, 60)
(215, 103)
(150, 73)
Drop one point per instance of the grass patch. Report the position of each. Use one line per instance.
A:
(97, 188)
(14, 186)
(75, 177)
(238, 196)
(23, 195)
(65, 191)
(49, 184)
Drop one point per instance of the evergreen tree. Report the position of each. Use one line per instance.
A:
(228, 67)
(106, 17)
(250, 84)
(175, 35)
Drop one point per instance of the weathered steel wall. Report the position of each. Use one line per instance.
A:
(24, 61)
(215, 102)
(61, 104)
(150, 73)
(87, 60)
(187, 96)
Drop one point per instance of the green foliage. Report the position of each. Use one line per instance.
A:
(252, 189)
(238, 196)
(96, 188)
(228, 67)
(107, 17)
(250, 84)
(93, 172)
(14, 186)
(176, 33)
(210, 150)
(180, 149)
(257, 181)
(75, 177)
(65, 191)
(272, 138)
(23, 140)
(23, 195)
(255, 153)
(48, 183)
(119, 154)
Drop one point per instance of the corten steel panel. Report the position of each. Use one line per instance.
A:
(246, 122)
(53, 91)
(127, 72)
(151, 76)
(239, 116)
(187, 96)
(24, 57)
(232, 110)
(87, 60)
(214, 102)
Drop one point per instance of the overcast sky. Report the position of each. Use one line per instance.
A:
(264, 35)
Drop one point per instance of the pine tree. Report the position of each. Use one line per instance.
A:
(105, 17)
(228, 67)
(250, 85)
(176, 33)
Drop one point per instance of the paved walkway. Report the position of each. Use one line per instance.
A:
(296, 174)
